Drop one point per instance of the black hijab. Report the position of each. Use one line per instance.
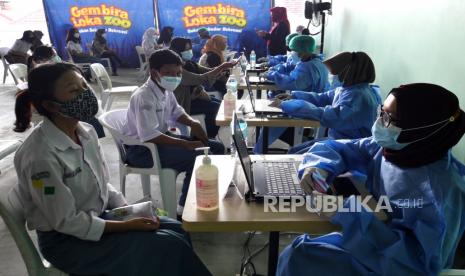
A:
(423, 104)
(352, 68)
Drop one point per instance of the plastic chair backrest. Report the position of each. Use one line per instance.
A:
(114, 121)
(100, 75)
(19, 71)
(141, 55)
(12, 213)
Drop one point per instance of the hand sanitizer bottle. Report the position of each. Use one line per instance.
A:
(206, 184)
(229, 104)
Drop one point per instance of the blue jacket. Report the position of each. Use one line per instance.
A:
(421, 237)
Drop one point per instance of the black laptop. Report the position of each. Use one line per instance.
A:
(262, 107)
(264, 177)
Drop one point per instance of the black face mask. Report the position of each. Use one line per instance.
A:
(81, 108)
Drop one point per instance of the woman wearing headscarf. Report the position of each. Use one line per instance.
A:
(408, 163)
(101, 50)
(165, 36)
(214, 51)
(149, 41)
(279, 30)
(308, 74)
(191, 94)
(347, 111)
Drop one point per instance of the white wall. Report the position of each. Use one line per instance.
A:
(408, 40)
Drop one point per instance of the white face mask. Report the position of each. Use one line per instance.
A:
(104, 35)
(170, 83)
(187, 55)
(56, 59)
(295, 56)
(76, 35)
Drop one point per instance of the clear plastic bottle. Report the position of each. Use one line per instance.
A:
(243, 63)
(253, 59)
(206, 184)
(232, 84)
(229, 104)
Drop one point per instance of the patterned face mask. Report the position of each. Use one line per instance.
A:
(81, 108)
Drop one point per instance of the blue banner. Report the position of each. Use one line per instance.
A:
(124, 20)
(236, 19)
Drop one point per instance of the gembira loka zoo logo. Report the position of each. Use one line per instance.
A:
(219, 14)
(82, 17)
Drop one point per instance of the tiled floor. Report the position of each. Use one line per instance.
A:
(222, 252)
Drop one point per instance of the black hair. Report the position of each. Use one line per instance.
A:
(178, 44)
(41, 85)
(305, 31)
(165, 35)
(99, 36)
(70, 35)
(28, 36)
(162, 57)
(41, 53)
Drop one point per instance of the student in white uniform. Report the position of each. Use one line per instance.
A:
(152, 108)
(63, 187)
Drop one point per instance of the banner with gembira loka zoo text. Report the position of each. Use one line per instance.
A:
(124, 20)
(236, 19)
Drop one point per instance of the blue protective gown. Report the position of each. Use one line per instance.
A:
(419, 239)
(348, 112)
(310, 75)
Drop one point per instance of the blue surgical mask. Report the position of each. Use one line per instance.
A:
(170, 83)
(386, 137)
(295, 56)
(187, 55)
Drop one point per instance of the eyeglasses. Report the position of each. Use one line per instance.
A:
(386, 118)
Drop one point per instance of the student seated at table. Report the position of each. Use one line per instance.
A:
(348, 111)
(309, 74)
(190, 93)
(152, 109)
(64, 189)
(408, 162)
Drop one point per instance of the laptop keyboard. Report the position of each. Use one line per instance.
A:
(281, 178)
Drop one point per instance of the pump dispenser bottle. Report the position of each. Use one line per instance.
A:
(206, 183)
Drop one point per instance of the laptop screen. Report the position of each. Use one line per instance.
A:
(241, 148)
(249, 89)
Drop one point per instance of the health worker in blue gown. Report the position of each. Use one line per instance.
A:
(408, 161)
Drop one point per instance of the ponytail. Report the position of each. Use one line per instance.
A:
(23, 111)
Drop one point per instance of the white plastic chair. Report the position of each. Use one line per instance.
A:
(185, 130)
(7, 147)
(143, 60)
(6, 67)
(114, 121)
(108, 92)
(12, 213)
(19, 72)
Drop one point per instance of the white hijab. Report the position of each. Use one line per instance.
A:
(149, 41)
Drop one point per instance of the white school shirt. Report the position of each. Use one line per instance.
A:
(63, 186)
(74, 47)
(150, 112)
(21, 46)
